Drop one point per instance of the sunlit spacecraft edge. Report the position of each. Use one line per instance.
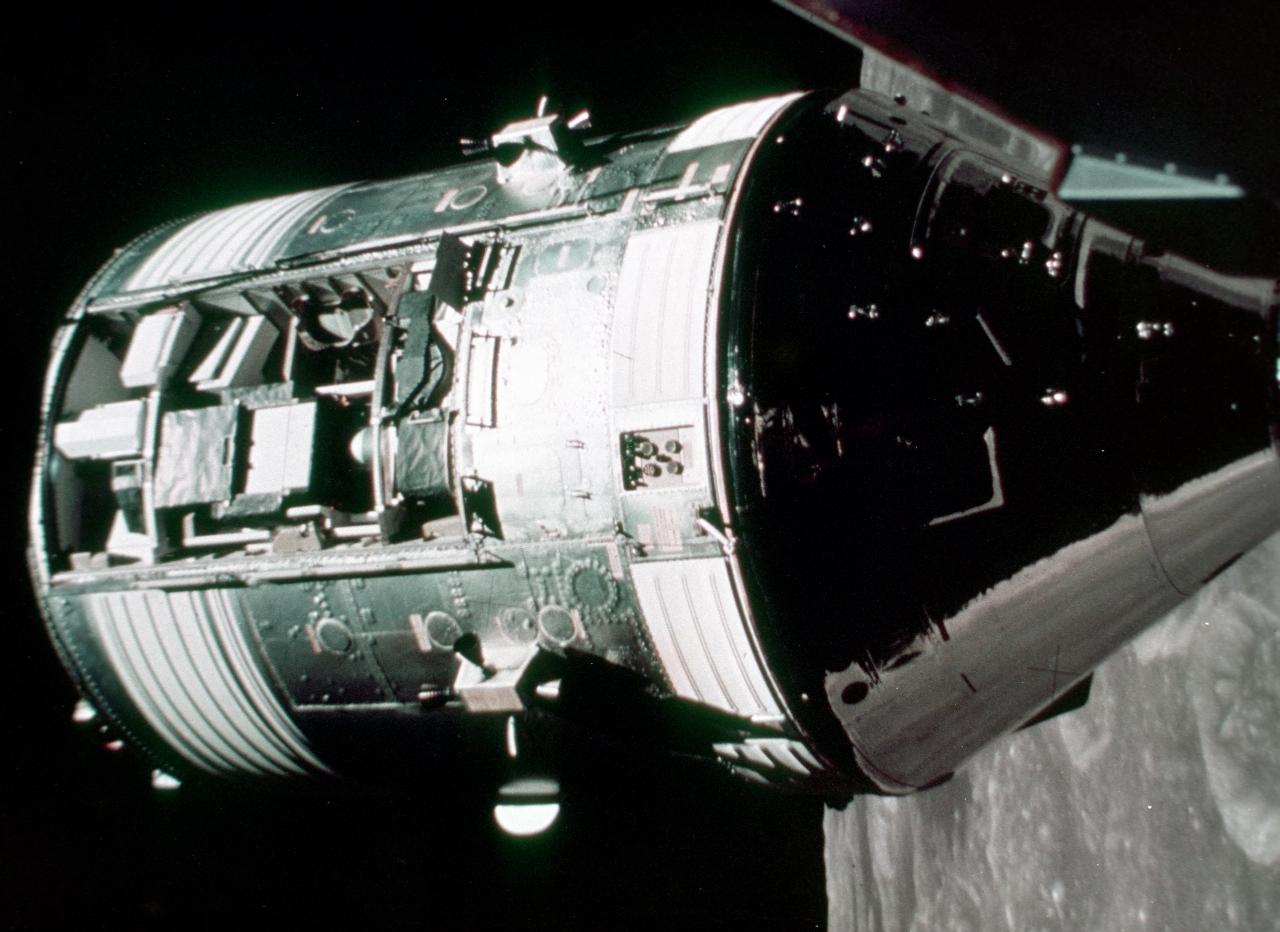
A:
(818, 438)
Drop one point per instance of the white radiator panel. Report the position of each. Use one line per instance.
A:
(229, 240)
(184, 662)
(700, 634)
(660, 327)
(729, 124)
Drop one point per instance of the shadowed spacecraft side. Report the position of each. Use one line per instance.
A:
(819, 438)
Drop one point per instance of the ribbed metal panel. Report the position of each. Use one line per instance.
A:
(728, 124)
(243, 237)
(700, 635)
(184, 662)
(772, 754)
(660, 325)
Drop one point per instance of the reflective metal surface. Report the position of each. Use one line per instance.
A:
(986, 439)
(817, 439)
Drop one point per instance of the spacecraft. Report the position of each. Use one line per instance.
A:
(821, 438)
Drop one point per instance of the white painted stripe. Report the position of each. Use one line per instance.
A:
(995, 343)
(740, 121)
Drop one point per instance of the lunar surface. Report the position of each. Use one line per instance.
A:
(1156, 806)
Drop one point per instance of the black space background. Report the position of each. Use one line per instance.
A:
(117, 122)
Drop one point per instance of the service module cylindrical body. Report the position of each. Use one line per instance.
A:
(809, 437)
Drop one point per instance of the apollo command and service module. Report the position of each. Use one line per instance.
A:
(820, 438)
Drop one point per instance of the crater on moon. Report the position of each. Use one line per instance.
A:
(1157, 805)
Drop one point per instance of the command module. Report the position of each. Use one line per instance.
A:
(817, 437)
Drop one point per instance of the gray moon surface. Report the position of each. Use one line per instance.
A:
(1156, 806)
